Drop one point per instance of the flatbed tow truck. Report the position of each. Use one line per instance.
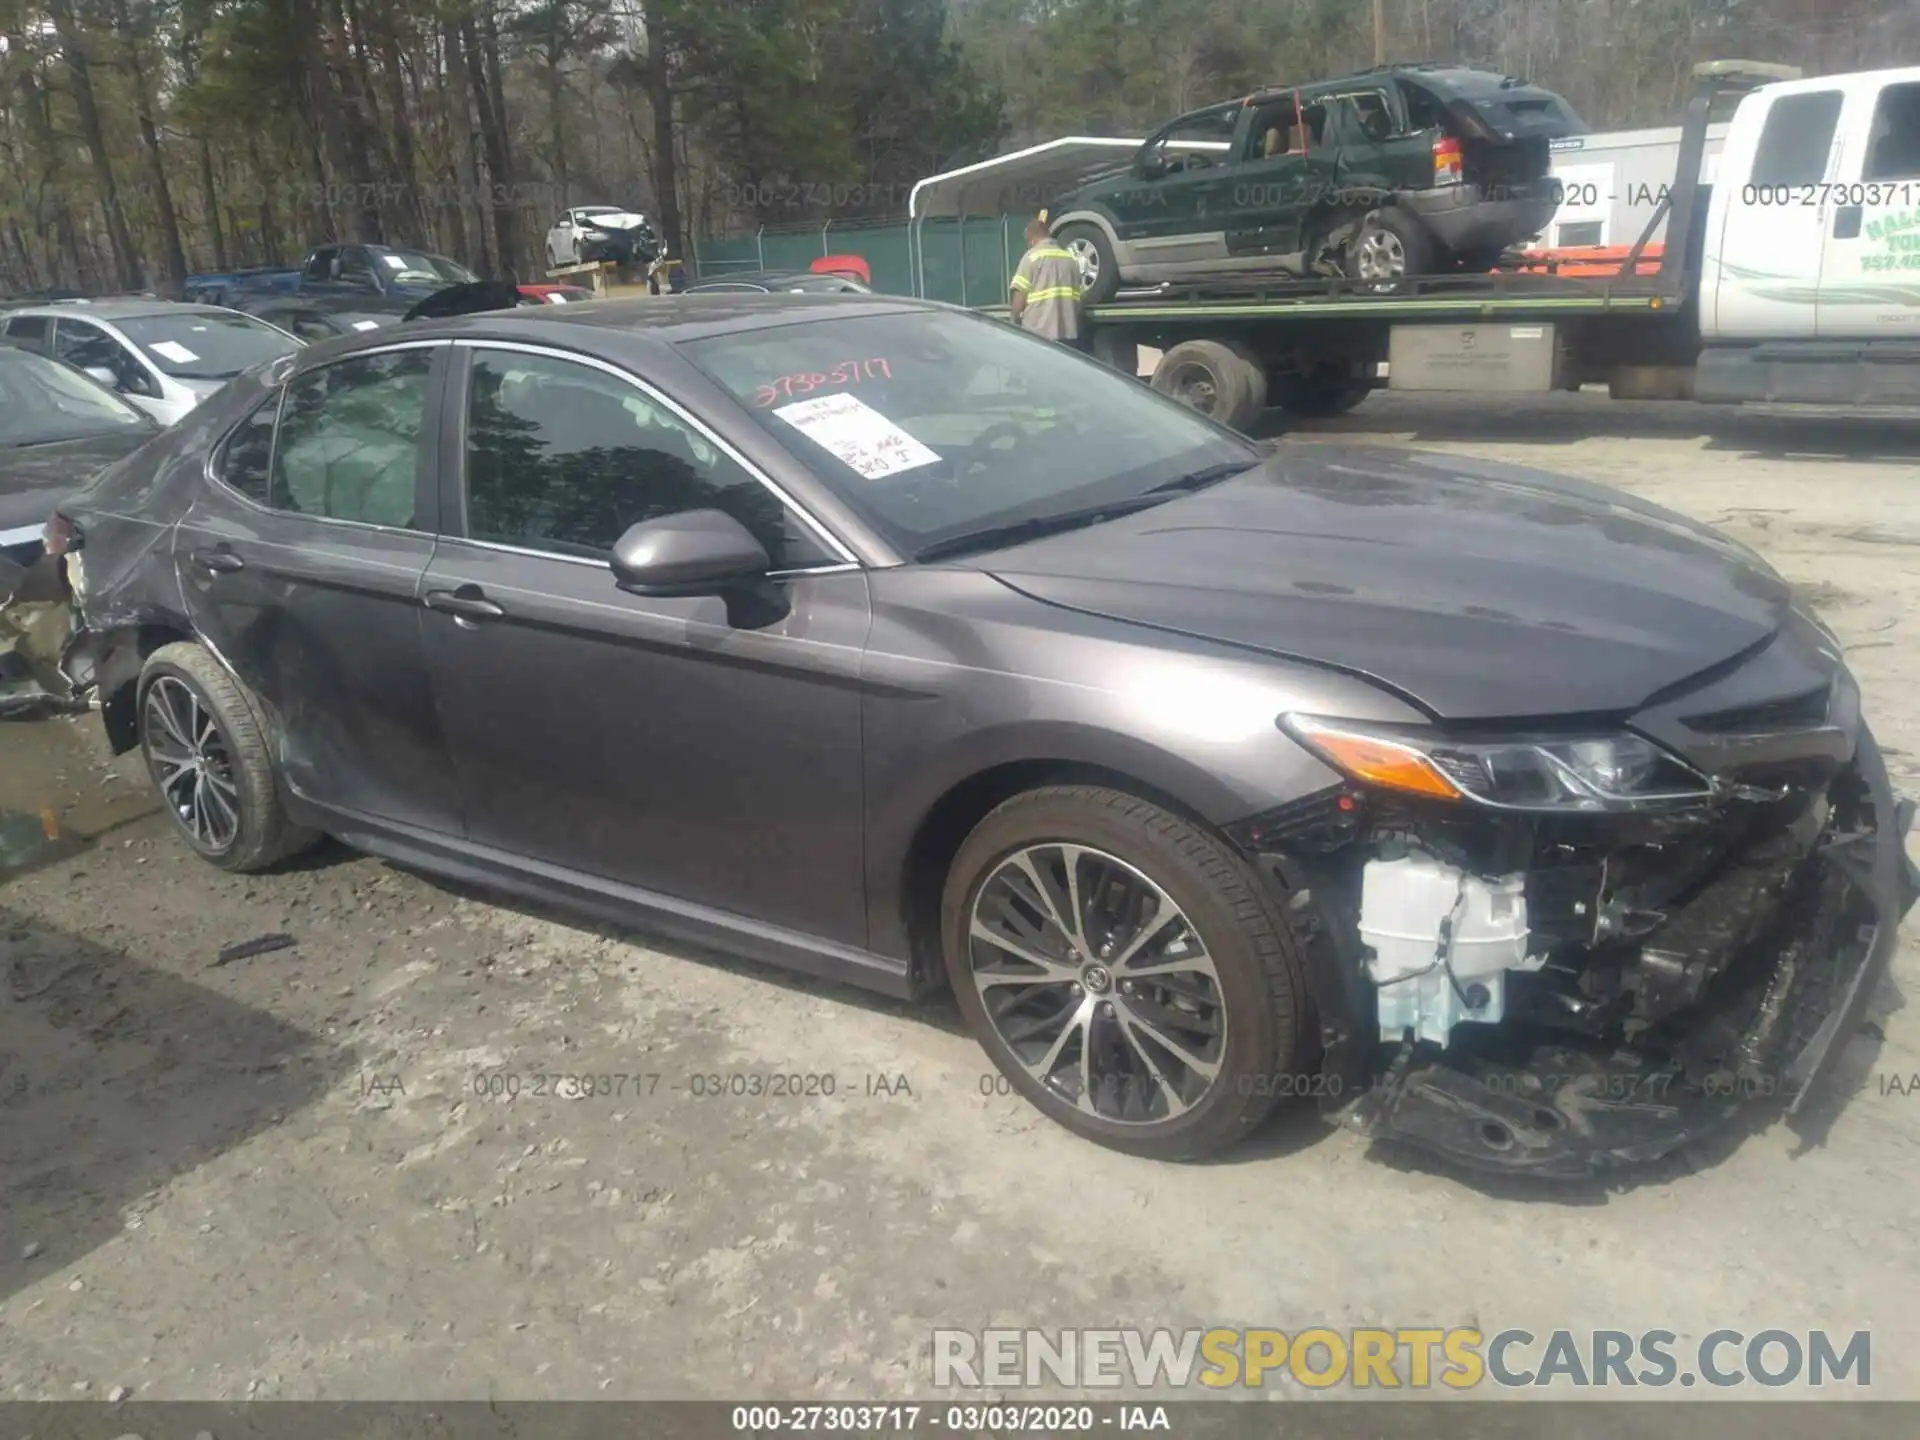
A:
(1782, 283)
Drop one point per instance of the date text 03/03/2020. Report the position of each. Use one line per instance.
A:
(961, 1419)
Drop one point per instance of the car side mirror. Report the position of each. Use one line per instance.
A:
(697, 552)
(100, 374)
(1152, 164)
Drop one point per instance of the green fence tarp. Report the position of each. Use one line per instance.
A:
(964, 262)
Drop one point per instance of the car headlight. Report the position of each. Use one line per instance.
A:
(1584, 773)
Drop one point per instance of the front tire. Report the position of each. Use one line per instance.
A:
(1124, 970)
(1099, 271)
(205, 744)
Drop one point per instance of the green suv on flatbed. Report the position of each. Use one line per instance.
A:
(1399, 170)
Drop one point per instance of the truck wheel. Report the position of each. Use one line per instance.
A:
(1389, 245)
(1218, 379)
(1099, 273)
(1317, 396)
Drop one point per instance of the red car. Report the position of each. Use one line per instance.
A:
(556, 294)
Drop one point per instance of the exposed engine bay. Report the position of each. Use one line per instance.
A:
(1556, 991)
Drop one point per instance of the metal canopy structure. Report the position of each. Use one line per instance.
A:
(1020, 180)
(1018, 184)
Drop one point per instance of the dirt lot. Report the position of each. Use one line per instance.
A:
(284, 1177)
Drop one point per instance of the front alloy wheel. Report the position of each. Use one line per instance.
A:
(1124, 970)
(1098, 984)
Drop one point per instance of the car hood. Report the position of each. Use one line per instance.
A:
(625, 220)
(35, 478)
(1474, 590)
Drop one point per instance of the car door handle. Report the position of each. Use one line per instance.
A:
(466, 603)
(222, 561)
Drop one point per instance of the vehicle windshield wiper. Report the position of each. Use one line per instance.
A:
(1033, 528)
(1200, 479)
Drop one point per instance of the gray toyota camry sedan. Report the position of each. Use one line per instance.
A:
(1493, 813)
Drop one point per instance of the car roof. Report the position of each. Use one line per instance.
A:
(665, 318)
(1446, 73)
(124, 309)
(332, 304)
(763, 277)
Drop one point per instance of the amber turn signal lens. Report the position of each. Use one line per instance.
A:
(1373, 761)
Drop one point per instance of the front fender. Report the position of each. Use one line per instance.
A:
(993, 762)
(1085, 215)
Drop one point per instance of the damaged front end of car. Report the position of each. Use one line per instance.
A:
(1556, 950)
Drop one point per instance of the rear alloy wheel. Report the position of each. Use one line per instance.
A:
(1390, 246)
(1215, 377)
(1124, 971)
(206, 750)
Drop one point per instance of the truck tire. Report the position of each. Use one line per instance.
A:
(1099, 272)
(1215, 377)
(1389, 246)
(1316, 396)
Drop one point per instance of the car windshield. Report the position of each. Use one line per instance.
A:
(43, 402)
(418, 264)
(937, 427)
(205, 345)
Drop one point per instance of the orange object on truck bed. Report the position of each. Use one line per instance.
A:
(1592, 260)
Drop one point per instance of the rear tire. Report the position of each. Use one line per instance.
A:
(1389, 246)
(205, 743)
(1181, 1060)
(1215, 377)
(1099, 272)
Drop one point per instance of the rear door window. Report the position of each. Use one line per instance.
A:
(29, 330)
(242, 463)
(349, 442)
(1893, 144)
(1795, 139)
(85, 346)
(1424, 112)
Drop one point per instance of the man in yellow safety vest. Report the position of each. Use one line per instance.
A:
(1046, 294)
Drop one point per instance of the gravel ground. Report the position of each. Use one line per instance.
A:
(284, 1177)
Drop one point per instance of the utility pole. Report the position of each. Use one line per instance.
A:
(1379, 32)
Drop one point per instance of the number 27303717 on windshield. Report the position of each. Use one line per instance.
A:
(805, 382)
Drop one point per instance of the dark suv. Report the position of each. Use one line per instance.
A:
(1398, 170)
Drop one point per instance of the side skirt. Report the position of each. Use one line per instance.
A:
(609, 900)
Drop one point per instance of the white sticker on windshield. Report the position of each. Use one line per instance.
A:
(556, 299)
(857, 434)
(395, 262)
(173, 350)
(366, 324)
